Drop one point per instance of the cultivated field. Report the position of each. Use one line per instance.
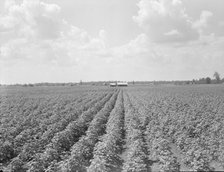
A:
(102, 129)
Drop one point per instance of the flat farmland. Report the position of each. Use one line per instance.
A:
(98, 128)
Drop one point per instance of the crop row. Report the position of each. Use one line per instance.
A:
(136, 155)
(106, 155)
(190, 121)
(82, 151)
(33, 136)
(34, 140)
(62, 141)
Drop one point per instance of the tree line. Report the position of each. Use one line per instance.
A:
(207, 80)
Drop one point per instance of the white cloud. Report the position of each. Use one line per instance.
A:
(203, 21)
(103, 35)
(34, 31)
(158, 17)
(194, 59)
(9, 3)
(221, 23)
(172, 32)
(30, 19)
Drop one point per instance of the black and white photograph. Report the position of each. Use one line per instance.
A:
(111, 85)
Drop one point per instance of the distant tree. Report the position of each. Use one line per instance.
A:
(188, 82)
(202, 81)
(217, 77)
(208, 80)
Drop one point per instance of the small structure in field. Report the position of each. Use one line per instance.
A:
(122, 84)
(118, 84)
(113, 84)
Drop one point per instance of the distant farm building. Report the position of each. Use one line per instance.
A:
(119, 84)
(113, 84)
(122, 84)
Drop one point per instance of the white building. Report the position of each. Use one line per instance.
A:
(122, 84)
(113, 84)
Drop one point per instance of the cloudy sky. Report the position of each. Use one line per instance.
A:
(73, 40)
